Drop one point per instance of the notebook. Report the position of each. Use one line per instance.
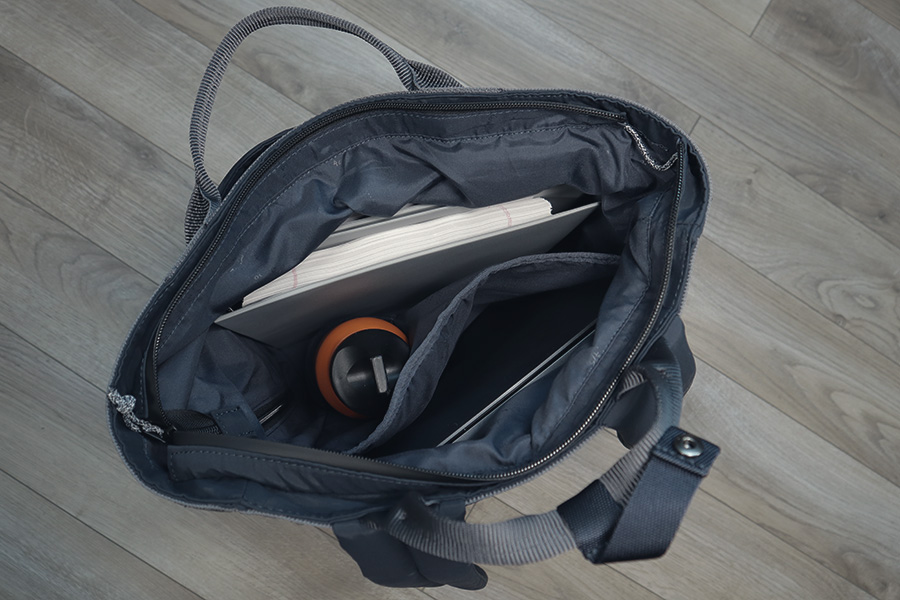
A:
(391, 268)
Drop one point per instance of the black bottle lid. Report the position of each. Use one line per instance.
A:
(358, 364)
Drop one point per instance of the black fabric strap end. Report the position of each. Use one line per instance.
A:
(606, 531)
(654, 511)
(591, 515)
(672, 447)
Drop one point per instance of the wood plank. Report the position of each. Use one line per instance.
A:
(889, 10)
(795, 485)
(723, 555)
(48, 554)
(713, 540)
(56, 442)
(797, 360)
(61, 292)
(843, 46)
(317, 68)
(97, 176)
(799, 240)
(817, 137)
(149, 76)
(506, 43)
(743, 15)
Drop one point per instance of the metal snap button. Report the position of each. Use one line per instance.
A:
(688, 446)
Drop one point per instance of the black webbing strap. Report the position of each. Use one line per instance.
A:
(605, 531)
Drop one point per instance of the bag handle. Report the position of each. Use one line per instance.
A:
(413, 75)
(631, 512)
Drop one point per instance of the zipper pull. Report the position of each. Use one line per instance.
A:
(125, 406)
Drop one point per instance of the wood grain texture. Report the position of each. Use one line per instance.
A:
(817, 137)
(525, 49)
(46, 554)
(794, 358)
(56, 443)
(792, 309)
(144, 73)
(62, 293)
(843, 46)
(797, 239)
(889, 10)
(797, 486)
(743, 15)
(291, 59)
(89, 171)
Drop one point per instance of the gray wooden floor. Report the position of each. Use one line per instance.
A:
(793, 310)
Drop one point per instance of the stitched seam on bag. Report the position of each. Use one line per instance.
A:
(634, 306)
(228, 412)
(432, 138)
(354, 121)
(258, 215)
(383, 479)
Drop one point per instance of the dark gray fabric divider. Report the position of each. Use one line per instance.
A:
(439, 327)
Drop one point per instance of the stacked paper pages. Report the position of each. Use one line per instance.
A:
(386, 246)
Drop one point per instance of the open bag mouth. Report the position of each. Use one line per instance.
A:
(378, 161)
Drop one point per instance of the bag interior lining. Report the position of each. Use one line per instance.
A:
(286, 217)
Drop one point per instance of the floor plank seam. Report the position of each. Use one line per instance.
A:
(796, 549)
(102, 535)
(816, 309)
(438, 63)
(759, 20)
(850, 456)
(724, 126)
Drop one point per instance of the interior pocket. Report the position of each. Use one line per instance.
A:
(436, 324)
(238, 382)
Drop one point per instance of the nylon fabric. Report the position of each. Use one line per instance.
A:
(590, 515)
(655, 509)
(445, 146)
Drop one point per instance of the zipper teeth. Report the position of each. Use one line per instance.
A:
(474, 106)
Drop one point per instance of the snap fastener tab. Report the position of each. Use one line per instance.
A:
(688, 446)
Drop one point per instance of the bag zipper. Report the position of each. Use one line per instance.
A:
(302, 133)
